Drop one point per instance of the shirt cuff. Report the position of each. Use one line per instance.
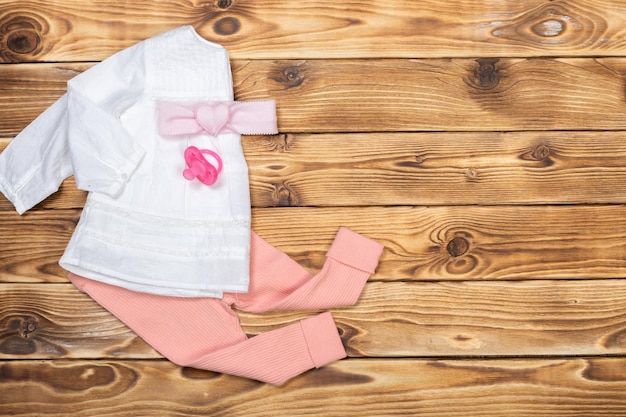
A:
(125, 172)
(21, 201)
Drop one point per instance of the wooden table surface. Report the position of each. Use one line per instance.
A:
(482, 142)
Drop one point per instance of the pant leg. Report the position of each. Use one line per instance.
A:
(279, 283)
(205, 333)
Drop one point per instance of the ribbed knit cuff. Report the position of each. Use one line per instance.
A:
(323, 339)
(355, 250)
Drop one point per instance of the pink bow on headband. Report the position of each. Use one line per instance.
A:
(215, 117)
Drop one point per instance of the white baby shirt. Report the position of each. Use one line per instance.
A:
(144, 226)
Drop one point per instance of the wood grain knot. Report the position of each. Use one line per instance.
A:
(485, 75)
(21, 338)
(224, 4)
(290, 76)
(281, 143)
(20, 37)
(23, 41)
(29, 326)
(283, 195)
(553, 23)
(540, 153)
(471, 174)
(227, 26)
(416, 161)
(24, 326)
(457, 246)
(549, 27)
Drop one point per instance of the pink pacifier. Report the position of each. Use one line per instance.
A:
(200, 167)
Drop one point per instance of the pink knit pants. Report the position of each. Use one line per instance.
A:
(205, 332)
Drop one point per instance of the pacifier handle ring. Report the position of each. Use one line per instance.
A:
(217, 159)
(199, 167)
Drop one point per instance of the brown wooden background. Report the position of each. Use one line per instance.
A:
(482, 142)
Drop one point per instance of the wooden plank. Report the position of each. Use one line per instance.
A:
(463, 243)
(505, 387)
(437, 168)
(423, 169)
(443, 94)
(36, 30)
(389, 95)
(33, 244)
(392, 319)
(422, 243)
(58, 321)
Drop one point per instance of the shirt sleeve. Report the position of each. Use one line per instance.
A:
(37, 160)
(81, 134)
(103, 154)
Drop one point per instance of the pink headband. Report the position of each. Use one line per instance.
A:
(215, 117)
